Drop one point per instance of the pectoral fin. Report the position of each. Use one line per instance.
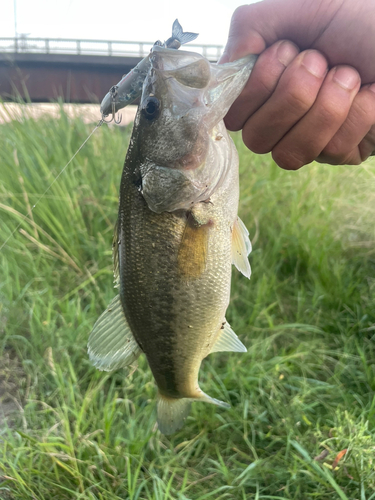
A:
(111, 343)
(192, 254)
(227, 340)
(241, 247)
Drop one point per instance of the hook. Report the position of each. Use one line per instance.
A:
(106, 121)
(113, 91)
(118, 120)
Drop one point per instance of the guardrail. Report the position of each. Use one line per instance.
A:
(26, 45)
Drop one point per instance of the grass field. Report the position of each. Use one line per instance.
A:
(306, 386)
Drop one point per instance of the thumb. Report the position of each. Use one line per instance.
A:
(258, 25)
(243, 38)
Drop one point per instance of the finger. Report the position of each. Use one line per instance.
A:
(311, 134)
(264, 23)
(367, 145)
(263, 80)
(344, 147)
(294, 95)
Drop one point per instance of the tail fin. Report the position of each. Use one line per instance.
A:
(180, 35)
(172, 412)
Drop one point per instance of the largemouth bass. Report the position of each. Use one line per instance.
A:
(178, 232)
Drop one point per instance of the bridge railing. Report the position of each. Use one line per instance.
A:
(26, 45)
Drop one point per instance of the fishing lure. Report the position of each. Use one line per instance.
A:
(129, 88)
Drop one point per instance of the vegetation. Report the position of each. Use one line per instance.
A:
(304, 389)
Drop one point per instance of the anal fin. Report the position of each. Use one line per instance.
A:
(227, 340)
(111, 344)
(205, 398)
(241, 247)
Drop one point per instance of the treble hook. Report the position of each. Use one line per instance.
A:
(113, 91)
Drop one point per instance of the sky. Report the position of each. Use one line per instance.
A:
(126, 20)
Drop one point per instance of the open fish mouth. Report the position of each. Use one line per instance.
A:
(129, 88)
(179, 122)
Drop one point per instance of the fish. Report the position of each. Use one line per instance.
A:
(178, 231)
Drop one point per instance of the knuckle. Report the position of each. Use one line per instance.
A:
(367, 145)
(266, 74)
(363, 110)
(364, 151)
(266, 84)
(333, 155)
(364, 106)
(353, 160)
(286, 159)
(232, 123)
(243, 38)
(331, 111)
(238, 17)
(298, 99)
(254, 142)
(336, 150)
(256, 138)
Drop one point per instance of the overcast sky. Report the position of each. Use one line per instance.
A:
(127, 20)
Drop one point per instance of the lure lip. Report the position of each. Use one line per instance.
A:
(129, 88)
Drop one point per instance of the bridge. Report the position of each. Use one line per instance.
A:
(76, 71)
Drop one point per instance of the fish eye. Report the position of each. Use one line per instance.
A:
(151, 108)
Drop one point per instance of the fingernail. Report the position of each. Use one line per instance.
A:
(372, 87)
(315, 63)
(286, 52)
(346, 77)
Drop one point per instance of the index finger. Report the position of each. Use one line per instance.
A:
(262, 82)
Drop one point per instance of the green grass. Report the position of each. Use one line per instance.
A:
(307, 316)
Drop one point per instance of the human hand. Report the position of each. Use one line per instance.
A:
(306, 105)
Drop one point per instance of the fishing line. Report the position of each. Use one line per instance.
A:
(110, 104)
(100, 123)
